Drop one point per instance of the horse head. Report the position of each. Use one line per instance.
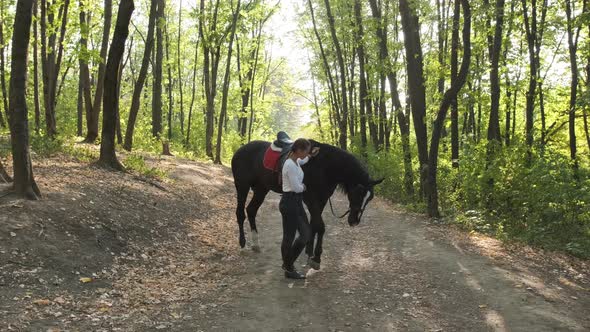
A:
(359, 196)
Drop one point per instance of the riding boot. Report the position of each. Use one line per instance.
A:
(291, 273)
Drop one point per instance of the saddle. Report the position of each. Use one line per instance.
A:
(277, 153)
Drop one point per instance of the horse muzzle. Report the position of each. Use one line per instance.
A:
(353, 219)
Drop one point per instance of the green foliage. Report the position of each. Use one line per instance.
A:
(542, 202)
(136, 162)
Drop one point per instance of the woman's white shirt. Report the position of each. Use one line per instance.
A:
(293, 175)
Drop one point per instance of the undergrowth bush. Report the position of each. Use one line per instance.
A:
(538, 200)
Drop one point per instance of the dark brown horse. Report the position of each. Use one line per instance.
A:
(330, 168)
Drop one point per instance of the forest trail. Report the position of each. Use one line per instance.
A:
(396, 271)
(391, 273)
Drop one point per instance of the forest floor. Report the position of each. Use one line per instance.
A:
(106, 251)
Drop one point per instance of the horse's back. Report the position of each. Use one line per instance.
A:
(247, 160)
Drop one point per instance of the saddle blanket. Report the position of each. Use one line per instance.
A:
(271, 158)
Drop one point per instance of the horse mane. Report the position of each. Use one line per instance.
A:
(346, 169)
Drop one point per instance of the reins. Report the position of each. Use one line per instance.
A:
(334, 213)
(347, 212)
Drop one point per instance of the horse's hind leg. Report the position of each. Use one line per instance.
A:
(252, 209)
(240, 214)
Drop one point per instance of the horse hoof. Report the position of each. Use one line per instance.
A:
(313, 264)
(256, 248)
(242, 242)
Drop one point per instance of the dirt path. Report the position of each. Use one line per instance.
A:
(393, 272)
(178, 267)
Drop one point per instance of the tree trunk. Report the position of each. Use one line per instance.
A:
(416, 86)
(108, 156)
(534, 38)
(193, 92)
(84, 96)
(344, 114)
(36, 69)
(316, 106)
(251, 88)
(225, 89)
(143, 71)
(50, 62)
(431, 187)
(93, 118)
(179, 68)
(454, 73)
(508, 89)
(384, 66)
(362, 74)
(493, 135)
(572, 39)
(24, 181)
(2, 69)
(169, 69)
(335, 104)
(584, 109)
(157, 71)
(210, 62)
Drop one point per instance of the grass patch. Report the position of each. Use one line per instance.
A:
(136, 162)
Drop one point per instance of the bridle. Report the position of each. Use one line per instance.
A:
(363, 207)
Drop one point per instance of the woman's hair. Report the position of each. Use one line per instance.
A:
(300, 144)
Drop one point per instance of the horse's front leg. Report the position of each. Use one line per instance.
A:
(310, 245)
(318, 228)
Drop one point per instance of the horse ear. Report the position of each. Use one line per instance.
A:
(376, 182)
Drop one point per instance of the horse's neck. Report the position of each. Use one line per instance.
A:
(344, 174)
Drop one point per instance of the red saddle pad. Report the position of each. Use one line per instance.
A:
(271, 158)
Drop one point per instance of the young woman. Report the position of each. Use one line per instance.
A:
(291, 207)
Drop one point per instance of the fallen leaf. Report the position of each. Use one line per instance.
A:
(85, 280)
(59, 300)
(481, 306)
(42, 302)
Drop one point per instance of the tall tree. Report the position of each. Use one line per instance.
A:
(93, 117)
(194, 90)
(36, 102)
(179, 68)
(494, 120)
(84, 94)
(157, 71)
(360, 49)
(416, 86)
(143, 71)
(431, 183)
(534, 32)
(573, 33)
(170, 80)
(2, 66)
(50, 61)
(211, 41)
(226, 78)
(24, 181)
(343, 121)
(108, 156)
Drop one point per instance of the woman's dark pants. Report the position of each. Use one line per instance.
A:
(294, 220)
